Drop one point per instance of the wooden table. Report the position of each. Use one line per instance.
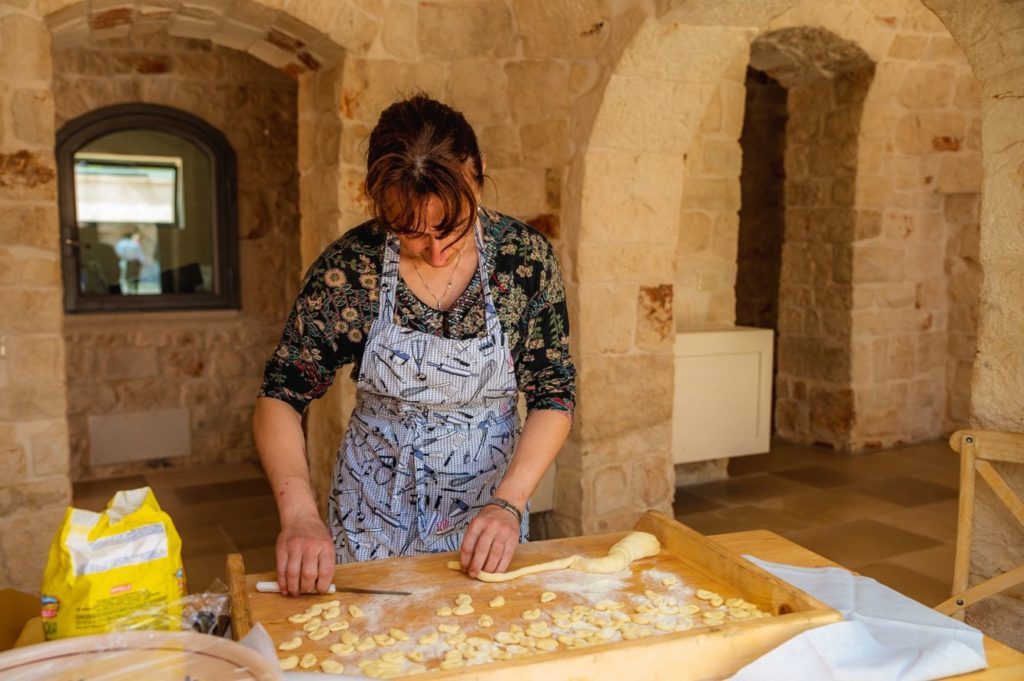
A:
(1004, 662)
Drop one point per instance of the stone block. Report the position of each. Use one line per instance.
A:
(545, 144)
(712, 121)
(34, 495)
(878, 423)
(13, 463)
(653, 481)
(26, 42)
(38, 357)
(570, 493)
(562, 28)
(874, 263)
(478, 88)
(900, 362)
(606, 320)
(961, 174)
(721, 157)
(695, 229)
(944, 48)
(29, 225)
(22, 551)
(32, 311)
(964, 209)
(647, 114)
(873, 191)
(700, 193)
(538, 90)
(399, 30)
(725, 237)
(927, 87)
(33, 115)
(368, 86)
(640, 262)
(630, 393)
(625, 446)
(655, 329)
(928, 131)
(27, 175)
(613, 522)
(609, 490)
(352, 28)
(499, 145)
(123, 363)
(734, 97)
(624, 197)
(968, 92)
(925, 260)
(831, 413)
(460, 29)
(516, 191)
(48, 446)
(907, 46)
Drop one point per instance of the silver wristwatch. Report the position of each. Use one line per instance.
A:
(508, 506)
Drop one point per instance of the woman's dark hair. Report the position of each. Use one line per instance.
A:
(420, 148)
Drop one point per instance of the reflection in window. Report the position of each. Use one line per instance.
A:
(121, 200)
(150, 214)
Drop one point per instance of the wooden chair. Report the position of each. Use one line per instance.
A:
(978, 448)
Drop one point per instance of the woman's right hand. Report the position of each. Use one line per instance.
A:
(305, 556)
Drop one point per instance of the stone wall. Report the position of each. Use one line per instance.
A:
(762, 208)
(989, 31)
(920, 144)
(814, 400)
(34, 484)
(709, 218)
(210, 363)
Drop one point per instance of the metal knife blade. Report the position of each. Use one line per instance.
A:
(274, 588)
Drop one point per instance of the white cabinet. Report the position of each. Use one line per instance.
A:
(723, 392)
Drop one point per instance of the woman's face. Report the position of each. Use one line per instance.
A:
(425, 244)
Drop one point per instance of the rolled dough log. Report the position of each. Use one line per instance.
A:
(633, 546)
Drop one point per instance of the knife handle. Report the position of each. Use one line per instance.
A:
(274, 588)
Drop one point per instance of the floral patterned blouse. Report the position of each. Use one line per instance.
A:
(331, 317)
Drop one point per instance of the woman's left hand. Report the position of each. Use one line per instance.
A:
(490, 541)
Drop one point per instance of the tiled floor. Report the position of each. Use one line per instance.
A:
(889, 515)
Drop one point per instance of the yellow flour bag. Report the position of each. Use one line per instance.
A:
(104, 566)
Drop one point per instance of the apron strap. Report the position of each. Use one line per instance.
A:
(388, 279)
(491, 318)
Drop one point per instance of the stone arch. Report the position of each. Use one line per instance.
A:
(679, 74)
(826, 80)
(306, 41)
(990, 34)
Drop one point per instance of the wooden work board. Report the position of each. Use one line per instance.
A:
(704, 652)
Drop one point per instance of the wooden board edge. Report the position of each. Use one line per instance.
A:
(682, 541)
(241, 609)
(777, 629)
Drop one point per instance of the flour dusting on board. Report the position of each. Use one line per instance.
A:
(590, 587)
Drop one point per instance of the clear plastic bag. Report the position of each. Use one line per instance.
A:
(206, 613)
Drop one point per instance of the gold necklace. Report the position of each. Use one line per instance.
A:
(451, 277)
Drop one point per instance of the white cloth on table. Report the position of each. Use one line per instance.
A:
(885, 636)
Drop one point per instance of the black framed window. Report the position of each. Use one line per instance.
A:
(148, 211)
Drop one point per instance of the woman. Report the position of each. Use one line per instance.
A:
(447, 310)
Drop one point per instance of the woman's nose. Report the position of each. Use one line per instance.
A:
(436, 253)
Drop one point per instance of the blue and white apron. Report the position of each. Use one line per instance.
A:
(431, 436)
